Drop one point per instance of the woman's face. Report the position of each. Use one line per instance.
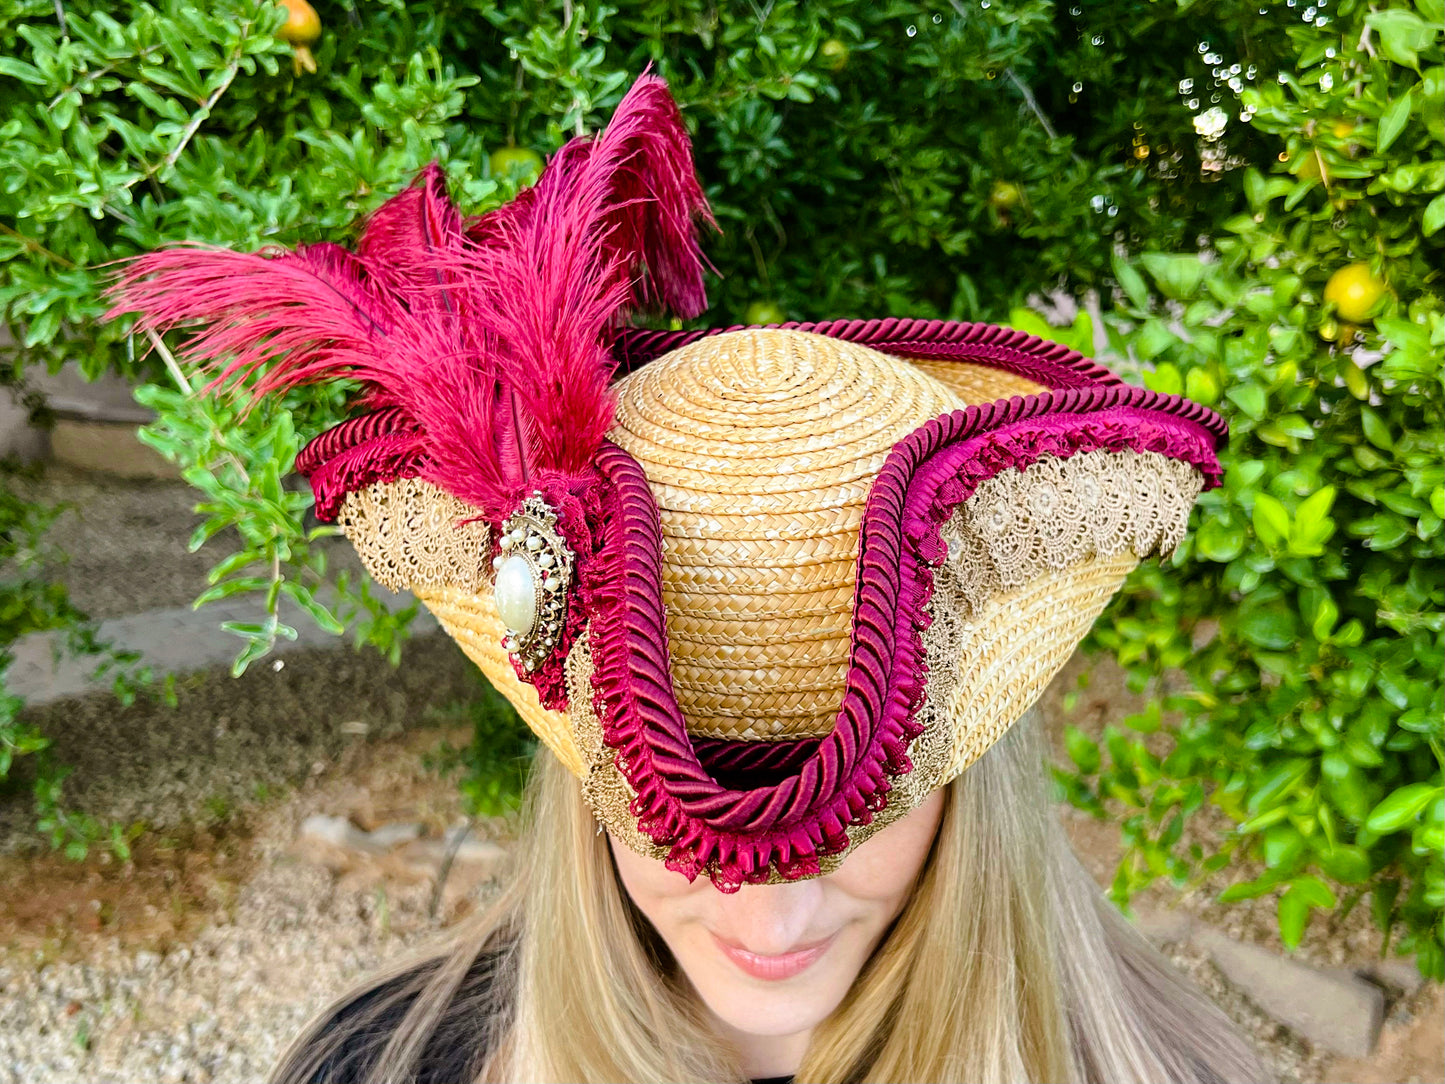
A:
(776, 960)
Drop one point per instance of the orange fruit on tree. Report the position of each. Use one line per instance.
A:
(302, 25)
(301, 30)
(1354, 291)
(765, 312)
(834, 55)
(1005, 195)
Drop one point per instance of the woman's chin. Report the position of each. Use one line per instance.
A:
(770, 1014)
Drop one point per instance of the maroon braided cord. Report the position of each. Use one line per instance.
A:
(1051, 364)
(735, 835)
(348, 434)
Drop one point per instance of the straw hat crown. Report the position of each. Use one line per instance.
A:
(760, 446)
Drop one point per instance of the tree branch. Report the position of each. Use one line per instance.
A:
(36, 246)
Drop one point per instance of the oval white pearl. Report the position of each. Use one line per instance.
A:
(516, 595)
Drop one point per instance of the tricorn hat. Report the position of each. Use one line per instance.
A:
(760, 589)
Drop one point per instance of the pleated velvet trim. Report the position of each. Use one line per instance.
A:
(365, 451)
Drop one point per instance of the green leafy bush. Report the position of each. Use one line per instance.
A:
(492, 767)
(1203, 167)
(1315, 717)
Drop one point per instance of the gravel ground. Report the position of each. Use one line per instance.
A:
(162, 767)
(129, 1002)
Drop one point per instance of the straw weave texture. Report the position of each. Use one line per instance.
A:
(761, 447)
(977, 383)
(471, 619)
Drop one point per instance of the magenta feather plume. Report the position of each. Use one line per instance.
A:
(487, 336)
(643, 167)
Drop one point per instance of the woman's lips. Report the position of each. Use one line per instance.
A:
(775, 968)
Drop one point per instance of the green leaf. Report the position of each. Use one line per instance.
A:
(1325, 618)
(323, 617)
(1393, 121)
(1261, 821)
(1082, 750)
(1271, 521)
(1402, 35)
(1294, 913)
(240, 585)
(1313, 891)
(1312, 527)
(1434, 217)
(1282, 845)
(18, 69)
(1250, 398)
(1347, 864)
(1249, 890)
(1219, 541)
(1201, 386)
(1401, 807)
(1270, 627)
(1376, 431)
(1283, 779)
(1179, 277)
(1131, 282)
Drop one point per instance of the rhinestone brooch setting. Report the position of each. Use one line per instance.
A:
(533, 574)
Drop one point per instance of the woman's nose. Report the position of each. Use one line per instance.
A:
(774, 919)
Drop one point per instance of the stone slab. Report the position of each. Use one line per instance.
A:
(170, 641)
(1335, 1010)
(106, 447)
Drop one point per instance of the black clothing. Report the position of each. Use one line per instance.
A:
(450, 1055)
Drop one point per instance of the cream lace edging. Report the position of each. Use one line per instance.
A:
(1060, 512)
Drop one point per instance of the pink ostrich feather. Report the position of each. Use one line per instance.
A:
(488, 335)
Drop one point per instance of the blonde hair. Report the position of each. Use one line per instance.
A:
(1007, 964)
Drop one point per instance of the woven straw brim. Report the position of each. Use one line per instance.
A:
(470, 618)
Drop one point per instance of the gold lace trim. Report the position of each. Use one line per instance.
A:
(411, 535)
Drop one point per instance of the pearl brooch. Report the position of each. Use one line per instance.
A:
(533, 575)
